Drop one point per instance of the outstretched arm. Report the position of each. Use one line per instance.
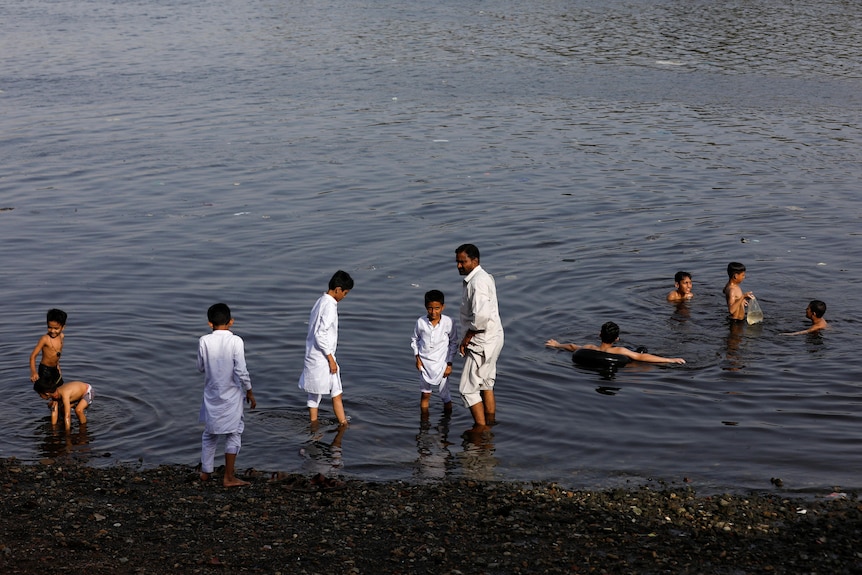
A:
(651, 358)
(567, 346)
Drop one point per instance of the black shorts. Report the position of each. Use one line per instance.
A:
(50, 376)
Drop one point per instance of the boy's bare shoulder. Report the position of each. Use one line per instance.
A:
(617, 350)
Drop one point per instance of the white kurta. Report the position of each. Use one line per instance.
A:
(479, 312)
(221, 357)
(321, 341)
(435, 345)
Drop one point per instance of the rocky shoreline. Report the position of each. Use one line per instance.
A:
(66, 517)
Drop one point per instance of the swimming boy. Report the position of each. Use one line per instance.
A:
(74, 393)
(221, 358)
(434, 343)
(50, 346)
(736, 299)
(320, 373)
(682, 281)
(815, 311)
(609, 335)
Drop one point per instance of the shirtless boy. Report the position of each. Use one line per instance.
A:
(50, 346)
(682, 281)
(609, 335)
(815, 311)
(75, 393)
(736, 299)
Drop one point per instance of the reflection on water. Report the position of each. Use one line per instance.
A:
(435, 460)
(57, 442)
(477, 458)
(323, 454)
(732, 360)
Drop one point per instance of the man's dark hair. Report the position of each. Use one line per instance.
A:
(469, 249)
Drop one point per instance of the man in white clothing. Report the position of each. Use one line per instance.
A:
(483, 337)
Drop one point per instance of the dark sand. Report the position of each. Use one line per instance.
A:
(65, 517)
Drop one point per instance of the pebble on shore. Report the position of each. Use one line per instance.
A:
(67, 517)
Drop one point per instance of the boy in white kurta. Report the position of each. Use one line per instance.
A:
(221, 357)
(434, 343)
(321, 374)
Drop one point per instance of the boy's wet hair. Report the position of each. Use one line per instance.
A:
(610, 332)
(817, 307)
(469, 249)
(44, 386)
(218, 314)
(734, 268)
(341, 279)
(57, 315)
(681, 275)
(434, 295)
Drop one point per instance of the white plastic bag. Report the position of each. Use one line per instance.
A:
(755, 314)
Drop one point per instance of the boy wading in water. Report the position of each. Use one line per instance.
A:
(50, 346)
(221, 358)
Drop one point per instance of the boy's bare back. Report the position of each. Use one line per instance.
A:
(69, 393)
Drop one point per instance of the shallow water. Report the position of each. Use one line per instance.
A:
(159, 158)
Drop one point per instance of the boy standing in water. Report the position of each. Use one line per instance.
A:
(682, 281)
(434, 343)
(221, 358)
(815, 311)
(736, 299)
(50, 346)
(75, 393)
(321, 374)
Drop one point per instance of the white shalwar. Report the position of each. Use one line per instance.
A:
(436, 346)
(480, 313)
(322, 340)
(221, 357)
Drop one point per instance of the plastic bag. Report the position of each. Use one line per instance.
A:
(755, 314)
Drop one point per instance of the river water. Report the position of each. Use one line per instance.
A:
(161, 156)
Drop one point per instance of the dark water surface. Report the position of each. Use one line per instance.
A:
(160, 156)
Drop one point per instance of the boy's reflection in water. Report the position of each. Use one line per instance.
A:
(57, 442)
(435, 461)
(323, 456)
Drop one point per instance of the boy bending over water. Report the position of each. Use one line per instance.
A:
(75, 393)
